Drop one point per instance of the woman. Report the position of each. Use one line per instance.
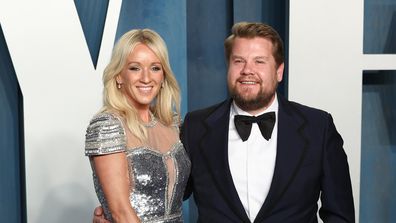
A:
(140, 168)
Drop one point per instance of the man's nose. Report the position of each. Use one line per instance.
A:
(247, 69)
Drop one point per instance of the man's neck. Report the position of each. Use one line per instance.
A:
(260, 110)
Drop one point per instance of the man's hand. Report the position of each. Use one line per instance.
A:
(98, 216)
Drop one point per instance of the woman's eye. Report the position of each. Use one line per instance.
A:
(156, 68)
(134, 68)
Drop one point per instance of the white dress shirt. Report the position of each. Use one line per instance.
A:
(252, 162)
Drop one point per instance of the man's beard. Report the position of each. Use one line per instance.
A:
(261, 100)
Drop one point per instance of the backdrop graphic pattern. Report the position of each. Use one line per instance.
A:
(92, 16)
(12, 168)
(378, 150)
(194, 32)
(378, 180)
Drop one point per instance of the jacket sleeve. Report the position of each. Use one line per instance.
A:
(184, 140)
(336, 190)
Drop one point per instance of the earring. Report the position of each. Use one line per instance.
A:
(118, 85)
(162, 84)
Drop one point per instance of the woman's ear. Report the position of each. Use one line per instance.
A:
(118, 79)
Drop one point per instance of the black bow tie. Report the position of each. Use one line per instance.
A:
(265, 122)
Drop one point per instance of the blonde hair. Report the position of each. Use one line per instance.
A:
(167, 103)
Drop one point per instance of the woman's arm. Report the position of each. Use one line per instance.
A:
(112, 172)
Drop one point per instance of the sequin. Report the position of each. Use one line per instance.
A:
(148, 170)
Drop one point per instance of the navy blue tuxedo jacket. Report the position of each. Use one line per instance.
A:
(310, 164)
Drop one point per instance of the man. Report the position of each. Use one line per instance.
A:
(258, 157)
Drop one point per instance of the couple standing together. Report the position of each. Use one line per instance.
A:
(255, 157)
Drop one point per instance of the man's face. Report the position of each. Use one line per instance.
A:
(252, 74)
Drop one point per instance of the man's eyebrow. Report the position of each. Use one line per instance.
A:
(236, 57)
(262, 57)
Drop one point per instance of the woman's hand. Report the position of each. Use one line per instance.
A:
(98, 216)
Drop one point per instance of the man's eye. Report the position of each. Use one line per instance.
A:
(238, 61)
(260, 61)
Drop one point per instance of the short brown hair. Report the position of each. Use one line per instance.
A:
(251, 30)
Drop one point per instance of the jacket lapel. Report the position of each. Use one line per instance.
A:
(291, 148)
(214, 147)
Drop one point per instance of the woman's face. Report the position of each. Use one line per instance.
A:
(141, 77)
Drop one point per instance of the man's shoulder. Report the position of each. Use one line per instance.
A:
(306, 108)
(313, 119)
(205, 112)
(303, 110)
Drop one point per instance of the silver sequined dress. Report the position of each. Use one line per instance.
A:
(158, 169)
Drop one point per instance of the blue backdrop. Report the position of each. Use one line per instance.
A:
(378, 166)
(378, 157)
(12, 162)
(194, 32)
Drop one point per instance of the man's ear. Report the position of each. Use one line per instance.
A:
(279, 72)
